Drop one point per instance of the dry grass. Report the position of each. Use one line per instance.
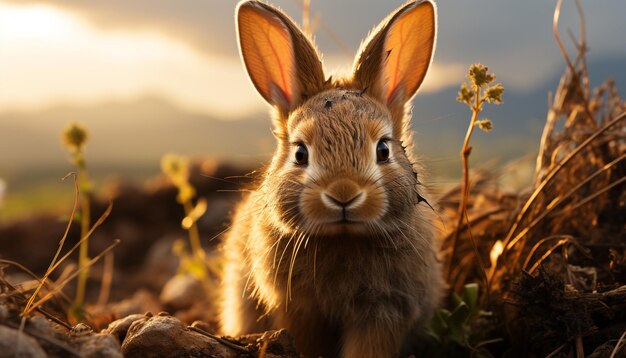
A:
(572, 217)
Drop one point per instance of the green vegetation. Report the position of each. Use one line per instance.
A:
(194, 262)
(75, 137)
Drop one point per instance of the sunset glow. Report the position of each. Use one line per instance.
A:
(50, 56)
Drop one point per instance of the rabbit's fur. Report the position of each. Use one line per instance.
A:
(353, 281)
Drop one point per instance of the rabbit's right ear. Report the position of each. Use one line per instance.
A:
(281, 62)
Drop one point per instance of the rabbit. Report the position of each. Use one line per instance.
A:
(335, 244)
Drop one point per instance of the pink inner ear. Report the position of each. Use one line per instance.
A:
(408, 47)
(267, 51)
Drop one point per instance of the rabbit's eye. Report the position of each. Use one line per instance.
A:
(382, 151)
(302, 154)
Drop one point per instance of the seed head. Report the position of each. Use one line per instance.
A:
(175, 166)
(479, 76)
(494, 93)
(485, 124)
(466, 94)
(74, 136)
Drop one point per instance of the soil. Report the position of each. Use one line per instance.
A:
(153, 311)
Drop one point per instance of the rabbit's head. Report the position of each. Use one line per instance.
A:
(343, 163)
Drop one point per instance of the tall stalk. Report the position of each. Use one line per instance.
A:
(474, 94)
(74, 138)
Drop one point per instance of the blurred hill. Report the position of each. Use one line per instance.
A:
(129, 137)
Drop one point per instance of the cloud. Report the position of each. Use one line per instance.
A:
(206, 25)
(51, 56)
(186, 50)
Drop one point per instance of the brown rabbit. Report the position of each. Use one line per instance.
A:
(335, 244)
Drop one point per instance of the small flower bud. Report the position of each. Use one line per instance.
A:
(485, 124)
(176, 167)
(494, 93)
(479, 76)
(74, 136)
(466, 94)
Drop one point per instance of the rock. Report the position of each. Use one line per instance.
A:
(181, 292)
(80, 330)
(160, 264)
(277, 344)
(98, 346)
(16, 344)
(119, 328)
(166, 336)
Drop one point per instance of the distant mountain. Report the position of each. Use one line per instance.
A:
(440, 122)
(127, 133)
(134, 135)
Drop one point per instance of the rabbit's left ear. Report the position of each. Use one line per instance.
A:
(393, 62)
(281, 61)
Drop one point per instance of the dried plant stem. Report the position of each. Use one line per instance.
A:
(223, 341)
(29, 308)
(62, 284)
(107, 279)
(465, 183)
(567, 195)
(619, 344)
(548, 253)
(56, 255)
(538, 245)
(194, 235)
(509, 242)
(83, 254)
(306, 17)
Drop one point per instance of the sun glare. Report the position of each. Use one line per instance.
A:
(49, 56)
(35, 21)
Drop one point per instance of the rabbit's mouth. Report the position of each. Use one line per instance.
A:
(345, 226)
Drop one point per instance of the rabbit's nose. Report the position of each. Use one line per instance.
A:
(342, 193)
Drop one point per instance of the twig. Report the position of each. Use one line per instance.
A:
(618, 346)
(306, 17)
(101, 220)
(570, 65)
(538, 244)
(548, 253)
(107, 279)
(223, 341)
(333, 36)
(593, 196)
(563, 198)
(38, 309)
(580, 349)
(31, 274)
(548, 179)
(72, 276)
(58, 252)
(476, 220)
(557, 350)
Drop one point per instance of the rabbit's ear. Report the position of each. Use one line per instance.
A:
(394, 60)
(281, 62)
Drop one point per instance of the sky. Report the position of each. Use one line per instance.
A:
(86, 52)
